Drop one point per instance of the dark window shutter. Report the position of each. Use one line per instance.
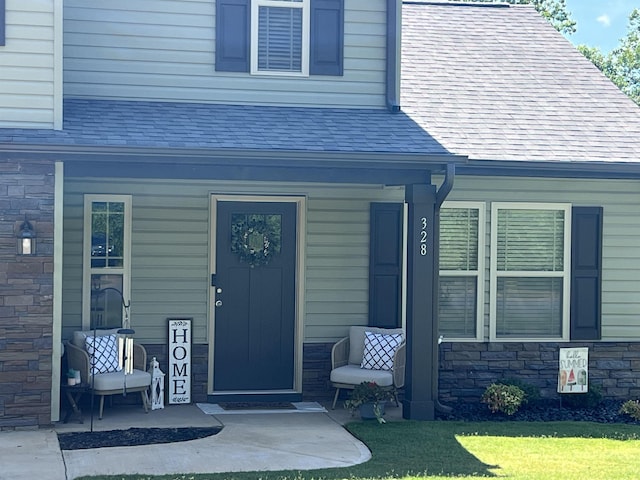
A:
(2, 24)
(385, 265)
(586, 273)
(327, 37)
(233, 18)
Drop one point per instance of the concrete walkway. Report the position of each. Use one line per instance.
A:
(255, 442)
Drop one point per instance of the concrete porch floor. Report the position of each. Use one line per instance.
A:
(247, 442)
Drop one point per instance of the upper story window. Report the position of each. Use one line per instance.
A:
(280, 37)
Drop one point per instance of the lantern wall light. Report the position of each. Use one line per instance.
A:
(26, 239)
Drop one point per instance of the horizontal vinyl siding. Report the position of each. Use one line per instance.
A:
(27, 65)
(621, 236)
(170, 252)
(165, 50)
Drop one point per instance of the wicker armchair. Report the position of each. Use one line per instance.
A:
(110, 383)
(346, 359)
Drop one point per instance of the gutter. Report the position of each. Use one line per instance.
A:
(441, 195)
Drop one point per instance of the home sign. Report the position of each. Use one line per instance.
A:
(179, 360)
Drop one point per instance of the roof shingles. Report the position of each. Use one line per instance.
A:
(109, 123)
(497, 82)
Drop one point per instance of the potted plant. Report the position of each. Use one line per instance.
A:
(370, 399)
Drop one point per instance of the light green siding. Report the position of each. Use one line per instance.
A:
(27, 65)
(170, 272)
(165, 50)
(621, 243)
(170, 252)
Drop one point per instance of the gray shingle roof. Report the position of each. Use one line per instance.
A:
(203, 126)
(497, 82)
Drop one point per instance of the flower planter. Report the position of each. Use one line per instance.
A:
(367, 411)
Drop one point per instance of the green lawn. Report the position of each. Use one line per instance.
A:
(514, 450)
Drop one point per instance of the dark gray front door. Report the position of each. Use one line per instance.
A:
(255, 309)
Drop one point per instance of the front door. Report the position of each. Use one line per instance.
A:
(255, 298)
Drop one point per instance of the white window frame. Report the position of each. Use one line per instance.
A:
(88, 270)
(479, 274)
(305, 5)
(565, 274)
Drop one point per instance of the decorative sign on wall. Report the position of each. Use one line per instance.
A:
(179, 360)
(574, 370)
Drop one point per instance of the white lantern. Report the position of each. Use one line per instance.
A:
(157, 385)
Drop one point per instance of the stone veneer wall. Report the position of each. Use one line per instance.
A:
(26, 295)
(316, 370)
(466, 369)
(315, 378)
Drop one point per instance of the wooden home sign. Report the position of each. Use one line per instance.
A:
(179, 360)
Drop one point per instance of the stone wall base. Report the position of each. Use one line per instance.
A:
(467, 369)
(315, 377)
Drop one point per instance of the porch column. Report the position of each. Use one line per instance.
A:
(420, 397)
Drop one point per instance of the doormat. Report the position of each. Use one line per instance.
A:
(257, 405)
(298, 407)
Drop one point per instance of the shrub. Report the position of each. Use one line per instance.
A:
(591, 399)
(503, 398)
(631, 408)
(531, 392)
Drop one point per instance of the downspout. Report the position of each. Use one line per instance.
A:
(441, 195)
(394, 29)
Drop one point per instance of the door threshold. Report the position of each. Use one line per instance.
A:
(275, 397)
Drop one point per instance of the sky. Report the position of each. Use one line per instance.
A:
(600, 23)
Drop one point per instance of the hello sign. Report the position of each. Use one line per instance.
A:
(179, 360)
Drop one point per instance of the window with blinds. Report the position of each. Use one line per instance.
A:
(280, 40)
(530, 271)
(461, 260)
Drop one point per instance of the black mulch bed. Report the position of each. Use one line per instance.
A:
(132, 437)
(605, 412)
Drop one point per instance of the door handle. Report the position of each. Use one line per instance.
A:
(218, 303)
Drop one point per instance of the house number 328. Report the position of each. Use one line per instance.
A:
(423, 236)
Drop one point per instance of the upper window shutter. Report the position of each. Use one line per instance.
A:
(232, 35)
(2, 20)
(385, 265)
(327, 37)
(586, 273)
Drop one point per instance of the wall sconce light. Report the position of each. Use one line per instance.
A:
(26, 239)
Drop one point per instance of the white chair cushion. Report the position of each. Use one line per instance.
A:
(103, 351)
(116, 380)
(80, 335)
(379, 350)
(354, 375)
(356, 341)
